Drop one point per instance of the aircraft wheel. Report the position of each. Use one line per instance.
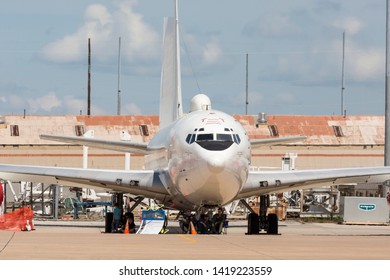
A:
(253, 223)
(272, 224)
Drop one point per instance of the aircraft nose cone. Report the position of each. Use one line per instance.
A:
(215, 164)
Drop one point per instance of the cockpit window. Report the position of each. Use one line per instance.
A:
(190, 138)
(237, 139)
(224, 137)
(213, 141)
(204, 137)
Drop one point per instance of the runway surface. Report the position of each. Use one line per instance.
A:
(297, 241)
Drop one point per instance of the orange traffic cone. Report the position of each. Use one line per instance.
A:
(126, 231)
(192, 228)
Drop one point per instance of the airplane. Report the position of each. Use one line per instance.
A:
(198, 159)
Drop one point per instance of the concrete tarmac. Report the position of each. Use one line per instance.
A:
(87, 241)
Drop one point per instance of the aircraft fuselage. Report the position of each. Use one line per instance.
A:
(208, 159)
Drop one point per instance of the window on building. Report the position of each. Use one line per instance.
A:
(143, 128)
(273, 130)
(79, 130)
(338, 131)
(14, 130)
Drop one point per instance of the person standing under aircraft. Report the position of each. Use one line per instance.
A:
(116, 218)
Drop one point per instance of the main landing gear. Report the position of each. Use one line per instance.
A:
(261, 222)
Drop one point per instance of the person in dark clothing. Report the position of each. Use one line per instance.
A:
(217, 221)
(205, 225)
(185, 222)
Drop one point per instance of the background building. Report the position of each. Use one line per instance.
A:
(332, 142)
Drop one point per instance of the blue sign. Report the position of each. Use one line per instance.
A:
(367, 207)
(153, 214)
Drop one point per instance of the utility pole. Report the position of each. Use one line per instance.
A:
(119, 79)
(246, 86)
(387, 88)
(387, 95)
(89, 78)
(343, 112)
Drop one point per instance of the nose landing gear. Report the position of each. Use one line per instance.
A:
(261, 222)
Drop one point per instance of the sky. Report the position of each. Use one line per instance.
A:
(294, 52)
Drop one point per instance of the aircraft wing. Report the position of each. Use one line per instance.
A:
(138, 182)
(119, 146)
(265, 182)
(275, 141)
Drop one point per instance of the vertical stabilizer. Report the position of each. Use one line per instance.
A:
(170, 93)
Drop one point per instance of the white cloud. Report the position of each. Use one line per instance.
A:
(351, 25)
(98, 13)
(97, 26)
(365, 64)
(142, 40)
(212, 51)
(321, 64)
(362, 63)
(132, 109)
(97, 110)
(207, 54)
(46, 103)
(49, 101)
(16, 102)
(74, 105)
(105, 27)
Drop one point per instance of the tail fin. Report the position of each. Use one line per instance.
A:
(170, 92)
